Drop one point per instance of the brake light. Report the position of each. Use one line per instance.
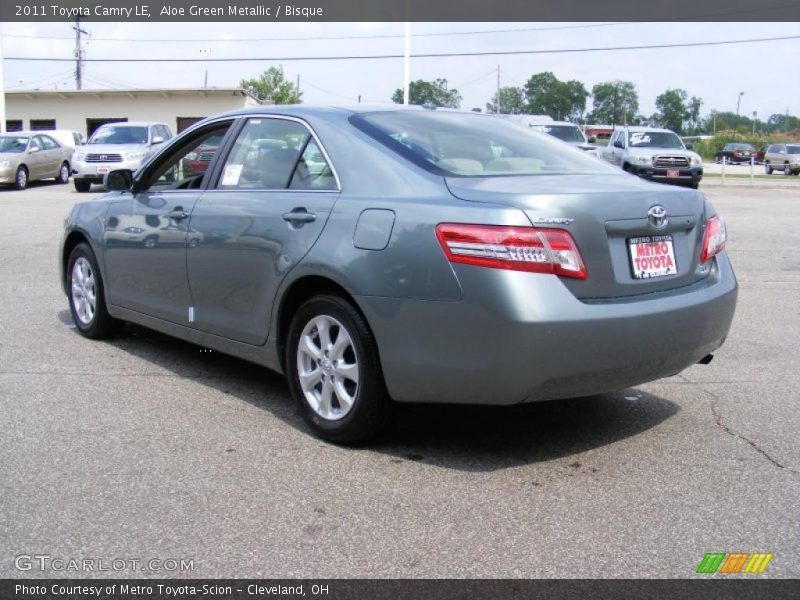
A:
(737, 153)
(530, 249)
(714, 239)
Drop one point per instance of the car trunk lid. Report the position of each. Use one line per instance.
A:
(603, 213)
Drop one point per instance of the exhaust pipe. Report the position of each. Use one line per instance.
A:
(706, 359)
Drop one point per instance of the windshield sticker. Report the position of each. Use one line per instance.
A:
(231, 175)
(639, 138)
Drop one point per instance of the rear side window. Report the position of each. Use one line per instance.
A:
(275, 154)
(473, 145)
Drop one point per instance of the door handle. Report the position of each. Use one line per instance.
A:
(299, 216)
(177, 213)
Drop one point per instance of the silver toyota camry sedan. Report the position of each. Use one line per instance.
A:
(380, 255)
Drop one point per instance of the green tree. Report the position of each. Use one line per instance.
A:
(271, 85)
(693, 110)
(672, 110)
(545, 94)
(614, 102)
(429, 92)
(512, 101)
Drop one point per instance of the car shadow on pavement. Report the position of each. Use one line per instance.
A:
(469, 438)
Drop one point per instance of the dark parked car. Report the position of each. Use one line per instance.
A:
(760, 153)
(404, 254)
(735, 153)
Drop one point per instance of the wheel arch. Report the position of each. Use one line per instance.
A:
(75, 237)
(298, 292)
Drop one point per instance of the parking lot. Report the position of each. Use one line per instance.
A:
(149, 447)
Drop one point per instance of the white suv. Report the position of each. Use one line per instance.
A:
(114, 146)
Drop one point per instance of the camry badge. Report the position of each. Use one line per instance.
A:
(657, 216)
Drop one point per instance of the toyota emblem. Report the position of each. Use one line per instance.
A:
(657, 216)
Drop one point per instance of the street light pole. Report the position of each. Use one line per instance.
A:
(736, 122)
(755, 114)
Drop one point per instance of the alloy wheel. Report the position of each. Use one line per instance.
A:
(327, 367)
(84, 290)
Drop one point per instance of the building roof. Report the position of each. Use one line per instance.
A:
(130, 92)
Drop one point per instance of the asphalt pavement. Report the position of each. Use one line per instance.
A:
(145, 447)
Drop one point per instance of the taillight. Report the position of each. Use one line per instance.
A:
(714, 239)
(737, 153)
(516, 248)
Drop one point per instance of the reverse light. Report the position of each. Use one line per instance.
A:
(532, 249)
(714, 239)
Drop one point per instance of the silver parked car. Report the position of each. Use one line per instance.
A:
(782, 157)
(116, 146)
(402, 254)
(27, 156)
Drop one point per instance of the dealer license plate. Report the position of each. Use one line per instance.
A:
(652, 256)
(673, 173)
(102, 170)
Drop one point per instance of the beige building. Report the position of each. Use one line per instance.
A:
(86, 110)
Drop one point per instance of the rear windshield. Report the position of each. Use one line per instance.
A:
(654, 139)
(567, 133)
(120, 134)
(473, 145)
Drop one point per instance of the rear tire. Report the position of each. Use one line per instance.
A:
(86, 295)
(81, 185)
(63, 173)
(342, 395)
(21, 178)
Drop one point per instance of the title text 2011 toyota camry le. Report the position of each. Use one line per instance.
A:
(412, 255)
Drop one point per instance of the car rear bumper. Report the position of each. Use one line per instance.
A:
(530, 339)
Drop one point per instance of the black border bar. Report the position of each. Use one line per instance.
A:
(216, 11)
(731, 588)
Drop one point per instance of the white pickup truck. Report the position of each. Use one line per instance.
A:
(656, 154)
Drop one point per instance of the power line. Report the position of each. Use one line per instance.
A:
(333, 38)
(392, 56)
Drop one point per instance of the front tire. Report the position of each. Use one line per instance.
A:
(81, 185)
(334, 371)
(86, 295)
(768, 168)
(63, 173)
(787, 169)
(21, 178)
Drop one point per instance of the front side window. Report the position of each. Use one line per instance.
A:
(186, 167)
(13, 144)
(473, 145)
(275, 154)
(35, 143)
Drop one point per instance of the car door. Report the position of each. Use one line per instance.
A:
(272, 196)
(146, 232)
(35, 159)
(51, 153)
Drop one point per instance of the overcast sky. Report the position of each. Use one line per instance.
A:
(765, 72)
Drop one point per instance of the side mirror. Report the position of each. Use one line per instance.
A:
(157, 140)
(33, 149)
(120, 180)
(618, 144)
(688, 146)
(591, 139)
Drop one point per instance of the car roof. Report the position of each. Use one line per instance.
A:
(133, 123)
(310, 110)
(636, 128)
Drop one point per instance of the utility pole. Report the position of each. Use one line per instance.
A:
(736, 123)
(78, 53)
(498, 108)
(407, 62)
(755, 114)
